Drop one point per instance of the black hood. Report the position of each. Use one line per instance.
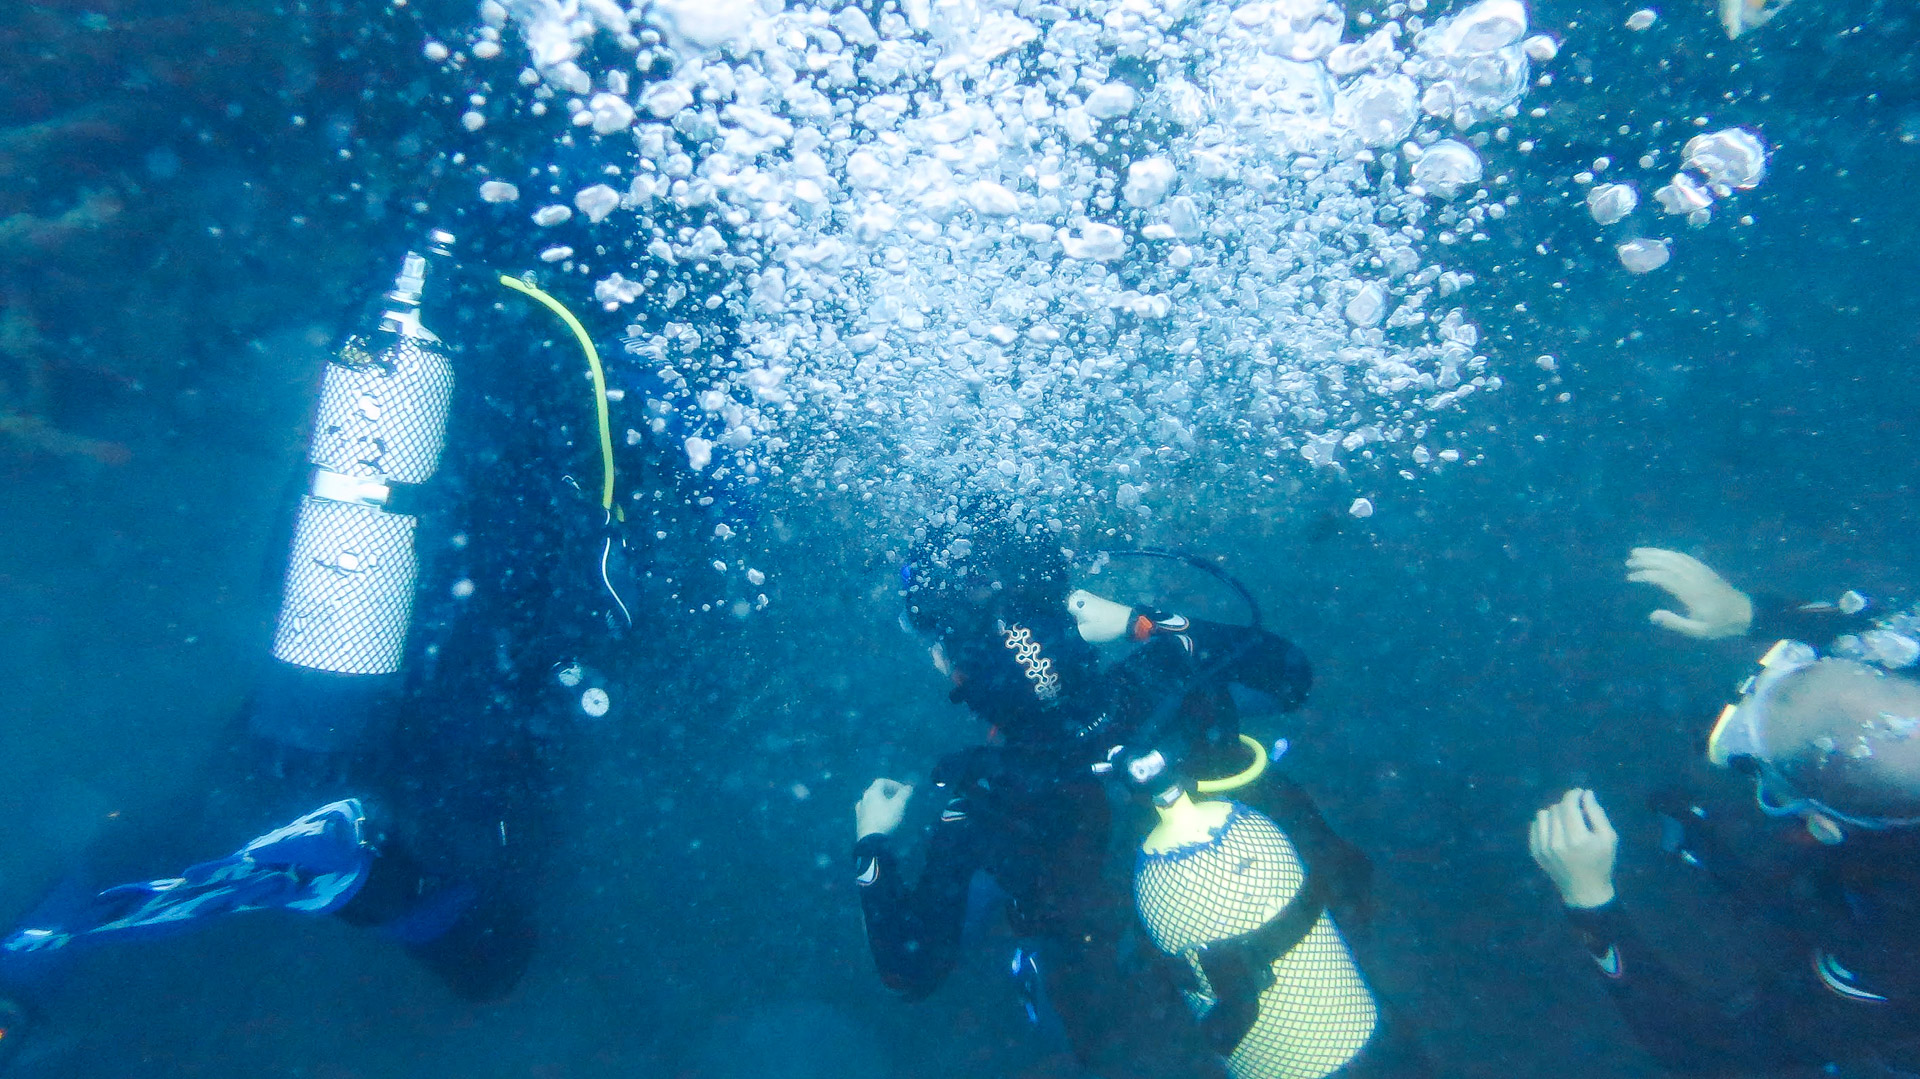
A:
(1027, 672)
(963, 575)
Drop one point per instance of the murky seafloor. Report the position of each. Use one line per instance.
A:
(1193, 275)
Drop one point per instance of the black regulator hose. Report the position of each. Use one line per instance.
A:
(1199, 563)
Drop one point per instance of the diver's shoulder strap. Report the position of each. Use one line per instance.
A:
(1240, 968)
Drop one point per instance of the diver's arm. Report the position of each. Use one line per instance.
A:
(1715, 609)
(914, 930)
(1575, 845)
(1779, 618)
(1247, 655)
(1670, 1021)
(1674, 1021)
(1345, 869)
(1261, 661)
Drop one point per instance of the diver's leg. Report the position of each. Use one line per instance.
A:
(477, 936)
(465, 797)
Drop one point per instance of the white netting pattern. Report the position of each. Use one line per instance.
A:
(349, 591)
(1318, 1013)
(385, 418)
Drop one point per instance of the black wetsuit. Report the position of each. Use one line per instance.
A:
(1842, 982)
(458, 774)
(1046, 831)
(1840, 986)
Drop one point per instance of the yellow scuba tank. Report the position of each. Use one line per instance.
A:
(1221, 886)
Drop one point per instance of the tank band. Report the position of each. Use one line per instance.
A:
(1240, 968)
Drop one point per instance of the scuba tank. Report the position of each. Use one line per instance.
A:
(347, 602)
(1221, 889)
(1275, 987)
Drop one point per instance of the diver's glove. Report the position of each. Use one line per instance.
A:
(881, 808)
(1574, 844)
(1715, 608)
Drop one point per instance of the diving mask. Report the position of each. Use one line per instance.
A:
(1737, 733)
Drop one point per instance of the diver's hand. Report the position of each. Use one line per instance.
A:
(1715, 608)
(1573, 842)
(880, 809)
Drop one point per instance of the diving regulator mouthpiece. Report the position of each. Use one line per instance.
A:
(1099, 620)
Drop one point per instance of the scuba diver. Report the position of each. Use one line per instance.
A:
(447, 592)
(1245, 972)
(1830, 867)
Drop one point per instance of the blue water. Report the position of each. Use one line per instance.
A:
(247, 175)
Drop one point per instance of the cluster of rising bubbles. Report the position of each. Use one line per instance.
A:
(1712, 166)
(1039, 249)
